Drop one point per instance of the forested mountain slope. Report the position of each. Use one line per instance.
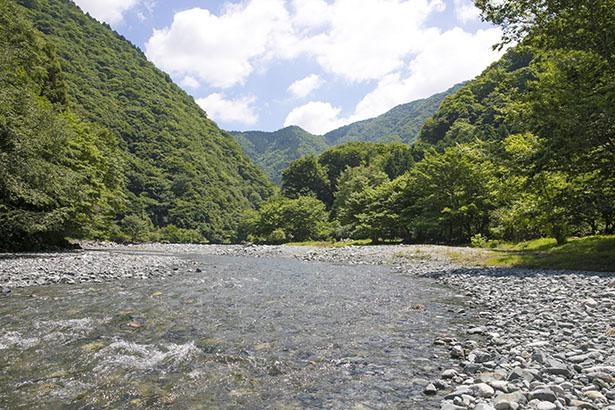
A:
(181, 169)
(401, 123)
(273, 151)
(59, 175)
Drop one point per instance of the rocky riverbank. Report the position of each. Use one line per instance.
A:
(23, 270)
(545, 341)
(529, 339)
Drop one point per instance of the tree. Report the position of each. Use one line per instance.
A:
(306, 176)
(352, 196)
(283, 219)
(448, 196)
(555, 24)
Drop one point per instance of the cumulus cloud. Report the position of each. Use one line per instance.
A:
(466, 11)
(109, 11)
(238, 111)
(451, 57)
(369, 39)
(316, 117)
(221, 50)
(189, 82)
(357, 41)
(304, 87)
(390, 44)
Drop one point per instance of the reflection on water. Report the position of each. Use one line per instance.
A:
(245, 332)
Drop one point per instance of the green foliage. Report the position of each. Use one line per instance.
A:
(556, 24)
(59, 175)
(273, 151)
(136, 228)
(400, 124)
(449, 195)
(282, 219)
(306, 176)
(173, 234)
(354, 190)
(181, 169)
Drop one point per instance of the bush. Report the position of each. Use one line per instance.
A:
(282, 219)
(276, 237)
(173, 234)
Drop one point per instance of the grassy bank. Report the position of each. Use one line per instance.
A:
(591, 253)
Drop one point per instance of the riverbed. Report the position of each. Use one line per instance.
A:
(207, 326)
(214, 331)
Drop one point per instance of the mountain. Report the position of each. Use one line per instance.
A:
(273, 151)
(181, 170)
(58, 173)
(402, 123)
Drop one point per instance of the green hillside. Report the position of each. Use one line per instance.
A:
(401, 123)
(273, 151)
(59, 175)
(181, 169)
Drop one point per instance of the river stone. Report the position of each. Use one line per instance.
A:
(482, 390)
(479, 356)
(461, 390)
(600, 369)
(594, 395)
(558, 371)
(506, 405)
(543, 405)
(602, 376)
(451, 406)
(480, 330)
(516, 397)
(484, 406)
(543, 395)
(449, 373)
(457, 352)
(519, 373)
(430, 389)
(582, 404)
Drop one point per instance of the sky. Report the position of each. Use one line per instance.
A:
(318, 64)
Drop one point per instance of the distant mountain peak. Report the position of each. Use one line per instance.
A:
(273, 151)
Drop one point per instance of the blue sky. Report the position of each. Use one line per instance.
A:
(319, 64)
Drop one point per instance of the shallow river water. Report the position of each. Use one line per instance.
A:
(243, 333)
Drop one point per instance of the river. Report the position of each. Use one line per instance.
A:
(244, 332)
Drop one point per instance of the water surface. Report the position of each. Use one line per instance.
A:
(243, 333)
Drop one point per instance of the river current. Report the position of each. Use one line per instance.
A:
(243, 333)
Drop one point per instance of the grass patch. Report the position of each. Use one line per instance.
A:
(341, 244)
(591, 253)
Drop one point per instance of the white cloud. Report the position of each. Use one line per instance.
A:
(189, 82)
(392, 44)
(221, 50)
(449, 58)
(109, 11)
(367, 39)
(466, 11)
(358, 41)
(304, 87)
(239, 111)
(316, 117)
